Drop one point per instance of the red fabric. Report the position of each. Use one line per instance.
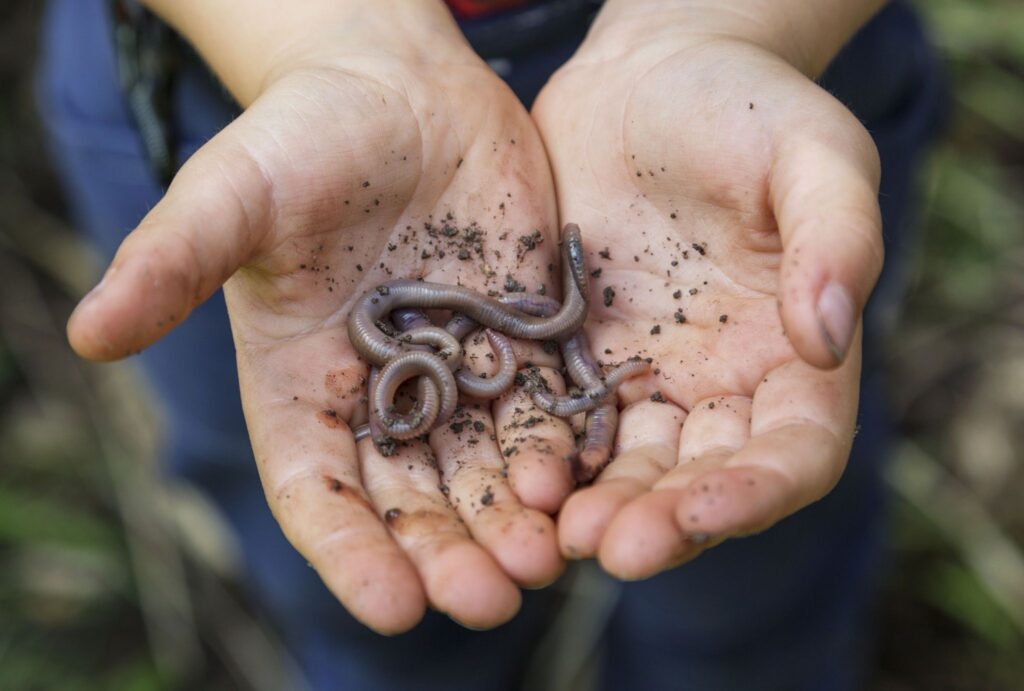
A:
(469, 9)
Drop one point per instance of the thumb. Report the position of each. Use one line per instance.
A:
(824, 192)
(213, 217)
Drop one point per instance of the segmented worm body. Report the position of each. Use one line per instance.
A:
(433, 355)
(603, 414)
(377, 347)
(582, 368)
(433, 406)
(590, 397)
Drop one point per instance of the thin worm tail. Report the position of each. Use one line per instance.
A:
(591, 397)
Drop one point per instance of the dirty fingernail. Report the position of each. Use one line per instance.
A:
(836, 317)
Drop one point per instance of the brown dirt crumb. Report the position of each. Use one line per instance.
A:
(609, 296)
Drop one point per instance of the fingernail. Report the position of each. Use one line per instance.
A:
(836, 315)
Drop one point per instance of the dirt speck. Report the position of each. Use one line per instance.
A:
(609, 296)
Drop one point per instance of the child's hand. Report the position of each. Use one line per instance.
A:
(735, 204)
(353, 161)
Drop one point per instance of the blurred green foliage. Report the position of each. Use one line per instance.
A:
(954, 610)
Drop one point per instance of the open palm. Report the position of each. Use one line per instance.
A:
(335, 180)
(729, 212)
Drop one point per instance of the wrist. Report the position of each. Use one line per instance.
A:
(252, 43)
(806, 35)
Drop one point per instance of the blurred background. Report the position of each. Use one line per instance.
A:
(110, 579)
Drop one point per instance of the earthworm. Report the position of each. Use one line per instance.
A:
(489, 388)
(380, 348)
(429, 411)
(579, 363)
(377, 348)
(592, 396)
(598, 438)
(378, 430)
(603, 421)
(433, 403)
(582, 368)
(460, 326)
(519, 315)
(449, 349)
(409, 318)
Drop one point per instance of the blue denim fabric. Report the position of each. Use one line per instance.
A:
(783, 610)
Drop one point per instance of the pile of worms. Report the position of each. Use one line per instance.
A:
(389, 328)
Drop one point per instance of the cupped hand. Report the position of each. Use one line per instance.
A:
(730, 216)
(348, 170)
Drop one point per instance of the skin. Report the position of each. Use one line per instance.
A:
(776, 178)
(602, 414)
(397, 100)
(737, 199)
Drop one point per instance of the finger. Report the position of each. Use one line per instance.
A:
(308, 464)
(645, 450)
(217, 211)
(521, 540)
(644, 538)
(824, 192)
(459, 577)
(801, 432)
(537, 447)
